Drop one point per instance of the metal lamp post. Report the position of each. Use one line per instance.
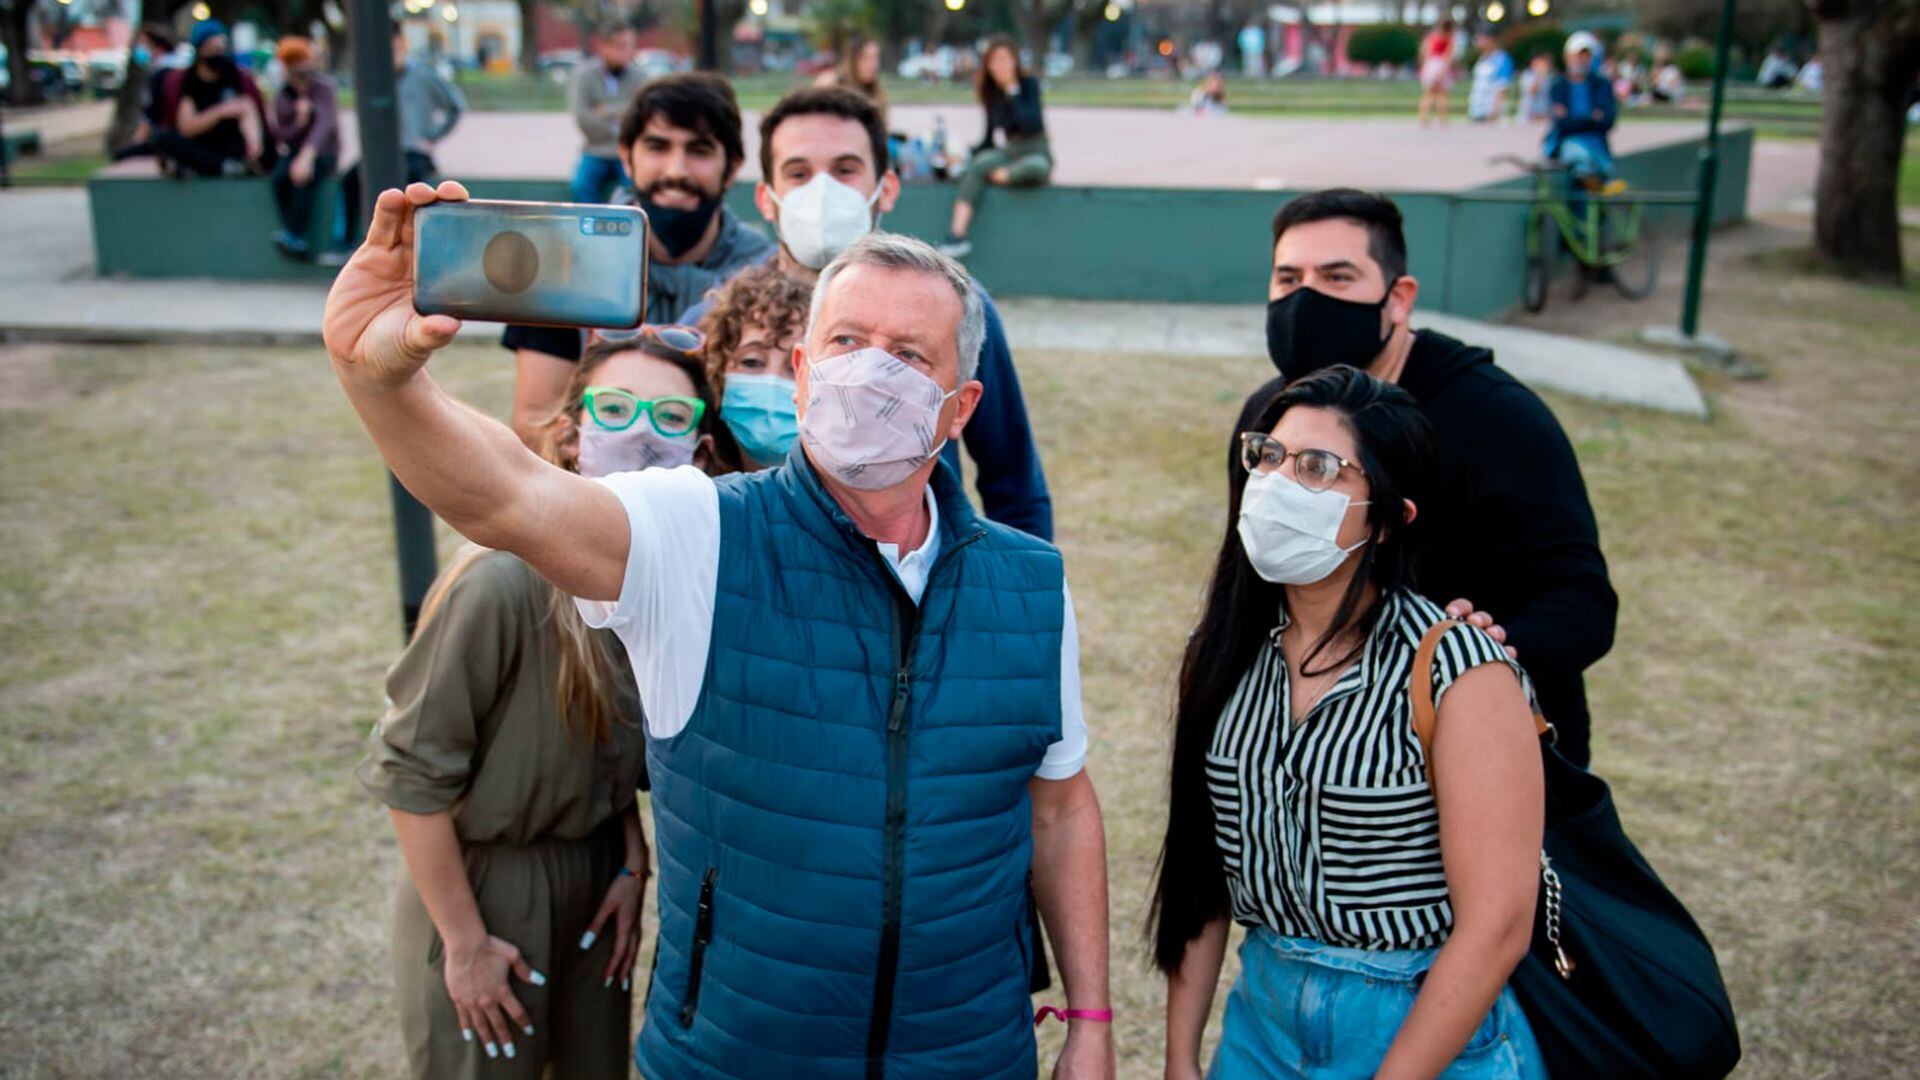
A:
(382, 167)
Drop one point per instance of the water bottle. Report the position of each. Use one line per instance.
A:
(937, 159)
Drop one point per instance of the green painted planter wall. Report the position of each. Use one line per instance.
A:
(1100, 243)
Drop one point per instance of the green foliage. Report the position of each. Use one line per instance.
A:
(1535, 40)
(1696, 62)
(1385, 44)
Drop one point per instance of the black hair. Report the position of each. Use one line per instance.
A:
(1386, 235)
(1396, 452)
(825, 101)
(699, 101)
(611, 27)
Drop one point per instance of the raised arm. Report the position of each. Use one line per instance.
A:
(466, 467)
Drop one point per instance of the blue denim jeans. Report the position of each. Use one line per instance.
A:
(1303, 1009)
(595, 177)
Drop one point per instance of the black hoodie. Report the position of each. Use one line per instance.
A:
(1509, 526)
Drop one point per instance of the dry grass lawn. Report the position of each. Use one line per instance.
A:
(197, 604)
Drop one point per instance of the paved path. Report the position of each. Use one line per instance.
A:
(61, 123)
(1109, 148)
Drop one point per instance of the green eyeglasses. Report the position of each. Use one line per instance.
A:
(615, 409)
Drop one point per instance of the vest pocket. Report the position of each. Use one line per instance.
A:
(702, 934)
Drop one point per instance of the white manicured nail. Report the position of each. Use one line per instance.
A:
(538, 979)
(493, 1051)
(529, 1029)
(586, 941)
(467, 1034)
(509, 1050)
(609, 983)
(623, 984)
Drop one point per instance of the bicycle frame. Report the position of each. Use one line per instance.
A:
(1584, 234)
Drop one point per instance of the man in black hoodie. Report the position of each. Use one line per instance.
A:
(1509, 530)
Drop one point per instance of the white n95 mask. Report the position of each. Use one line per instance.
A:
(822, 218)
(1292, 535)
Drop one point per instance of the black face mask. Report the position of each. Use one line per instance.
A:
(1307, 330)
(679, 229)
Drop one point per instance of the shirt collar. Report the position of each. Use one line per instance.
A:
(891, 552)
(1394, 629)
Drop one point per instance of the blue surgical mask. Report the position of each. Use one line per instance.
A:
(141, 56)
(760, 412)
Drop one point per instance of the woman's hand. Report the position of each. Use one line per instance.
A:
(622, 904)
(1184, 1070)
(477, 983)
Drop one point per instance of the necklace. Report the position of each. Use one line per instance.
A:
(1310, 691)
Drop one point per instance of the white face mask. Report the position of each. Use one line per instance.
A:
(603, 452)
(822, 218)
(1292, 535)
(871, 418)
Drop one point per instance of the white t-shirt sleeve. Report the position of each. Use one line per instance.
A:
(1067, 757)
(664, 615)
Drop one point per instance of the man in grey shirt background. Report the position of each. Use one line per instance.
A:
(429, 107)
(603, 85)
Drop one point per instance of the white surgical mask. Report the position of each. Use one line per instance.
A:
(1292, 535)
(822, 218)
(871, 418)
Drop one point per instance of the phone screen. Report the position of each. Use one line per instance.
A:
(542, 264)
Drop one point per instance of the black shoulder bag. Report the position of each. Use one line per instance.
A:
(1619, 981)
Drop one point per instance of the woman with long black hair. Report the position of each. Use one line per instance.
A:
(1384, 916)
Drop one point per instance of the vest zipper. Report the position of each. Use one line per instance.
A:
(906, 638)
(702, 933)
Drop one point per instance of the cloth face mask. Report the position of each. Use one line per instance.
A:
(603, 452)
(871, 418)
(1307, 330)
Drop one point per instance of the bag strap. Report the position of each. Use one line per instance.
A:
(1426, 720)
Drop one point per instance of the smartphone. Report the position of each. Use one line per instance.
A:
(542, 264)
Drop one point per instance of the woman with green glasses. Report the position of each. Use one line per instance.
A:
(508, 759)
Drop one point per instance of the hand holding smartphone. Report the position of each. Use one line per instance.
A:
(541, 264)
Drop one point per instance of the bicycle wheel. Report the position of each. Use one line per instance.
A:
(1638, 266)
(1541, 239)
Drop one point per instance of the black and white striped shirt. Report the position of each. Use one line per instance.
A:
(1327, 827)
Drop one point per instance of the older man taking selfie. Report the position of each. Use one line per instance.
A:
(864, 724)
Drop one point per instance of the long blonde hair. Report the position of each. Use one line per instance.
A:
(583, 688)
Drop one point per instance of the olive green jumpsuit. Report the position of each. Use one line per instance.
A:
(472, 726)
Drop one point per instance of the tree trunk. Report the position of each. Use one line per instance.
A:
(126, 107)
(529, 36)
(13, 31)
(1869, 62)
(1037, 25)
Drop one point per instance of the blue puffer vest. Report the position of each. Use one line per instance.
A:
(843, 825)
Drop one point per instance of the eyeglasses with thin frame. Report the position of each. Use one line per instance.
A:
(684, 340)
(1315, 470)
(614, 409)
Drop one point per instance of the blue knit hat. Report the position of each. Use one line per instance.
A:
(211, 28)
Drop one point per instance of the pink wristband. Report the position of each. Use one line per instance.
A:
(1104, 1016)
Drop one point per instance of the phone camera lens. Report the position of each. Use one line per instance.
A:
(510, 261)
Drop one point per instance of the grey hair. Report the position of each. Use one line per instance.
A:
(896, 252)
